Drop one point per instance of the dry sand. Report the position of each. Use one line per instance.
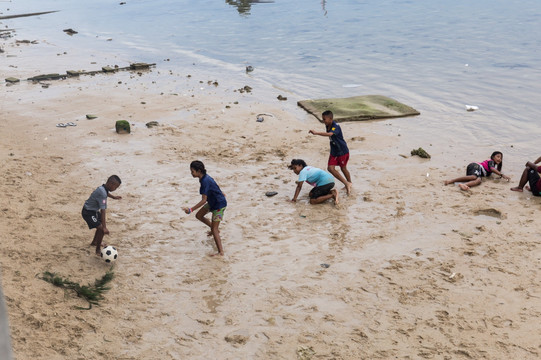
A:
(416, 269)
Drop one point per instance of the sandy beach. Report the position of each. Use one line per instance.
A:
(403, 268)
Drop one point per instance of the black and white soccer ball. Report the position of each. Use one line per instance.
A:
(109, 254)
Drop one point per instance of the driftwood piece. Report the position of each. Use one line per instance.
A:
(47, 77)
(25, 15)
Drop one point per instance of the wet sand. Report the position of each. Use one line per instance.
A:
(405, 267)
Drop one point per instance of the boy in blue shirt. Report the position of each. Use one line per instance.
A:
(339, 149)
(322, 181)
(212, 200)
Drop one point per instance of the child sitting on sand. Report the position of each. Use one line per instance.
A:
(339, 149)
(95, 207)
(322, 180)
(212, 200)
(531, 175)
(475, 171)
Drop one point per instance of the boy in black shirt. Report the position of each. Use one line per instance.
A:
(339, 149)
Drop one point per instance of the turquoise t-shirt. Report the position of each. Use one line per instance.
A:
(315, 176)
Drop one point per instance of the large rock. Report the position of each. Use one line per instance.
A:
(366, 107)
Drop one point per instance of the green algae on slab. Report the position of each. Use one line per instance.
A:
(358, 108)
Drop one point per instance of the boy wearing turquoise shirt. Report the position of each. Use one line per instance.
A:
(322, 181)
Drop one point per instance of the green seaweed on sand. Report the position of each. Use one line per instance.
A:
(420, 152)
(93, 293)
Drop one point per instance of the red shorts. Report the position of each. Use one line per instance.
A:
(341, 161)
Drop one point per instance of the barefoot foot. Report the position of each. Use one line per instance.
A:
(464, 187)
(348, 188)
(217, 254)
(516, 189)
(527, 187)
(335, 196)
(447, 182)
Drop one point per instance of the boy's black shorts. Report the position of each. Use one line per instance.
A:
(321, 190)
(533, 179)
(92, 218)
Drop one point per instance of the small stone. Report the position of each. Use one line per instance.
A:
(281, 98)
(107, 69)
(151, 124)
(72, 73)
(70, 31)
(90, 116)
(271, 193)
(12, 80)
(122, 127)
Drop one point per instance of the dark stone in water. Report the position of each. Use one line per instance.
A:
(271, 193)
(70, 31)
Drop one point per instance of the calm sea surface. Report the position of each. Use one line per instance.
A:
(434, 55)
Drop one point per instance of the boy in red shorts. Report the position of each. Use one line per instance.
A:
(339, 149)
(531, 175)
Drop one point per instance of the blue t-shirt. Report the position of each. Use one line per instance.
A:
(215, 197)
(338, 144)
(315, 176)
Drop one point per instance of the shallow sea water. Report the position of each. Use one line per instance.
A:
(435, 56)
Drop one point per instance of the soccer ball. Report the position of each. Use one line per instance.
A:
(109, 254)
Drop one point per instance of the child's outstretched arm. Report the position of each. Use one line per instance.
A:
(495, 171)
(538, 160)
(297, 190)
(114, 196)
(321, 133)
(203, 201)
